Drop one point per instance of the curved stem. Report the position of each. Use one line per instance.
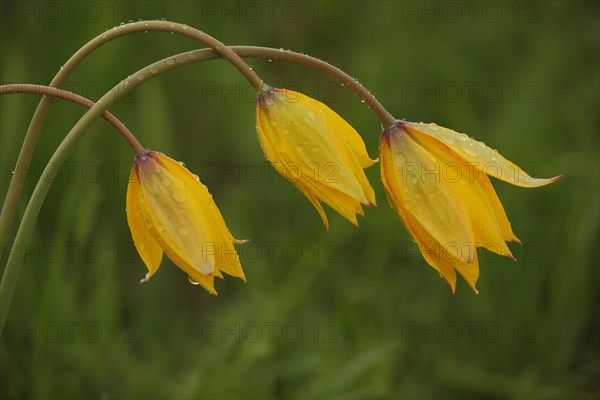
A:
(42, 187)
(77, 99)
(382, 114)
(14, 262)
(33, 131)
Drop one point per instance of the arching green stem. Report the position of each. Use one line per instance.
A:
(43, 186)
(29, 143)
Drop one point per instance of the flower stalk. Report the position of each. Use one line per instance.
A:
(32, 135)
(33, 131)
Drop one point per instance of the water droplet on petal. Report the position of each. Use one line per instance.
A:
(311, 114)
(178, 196)
(182, 231)
(192, 281)
(469, 150)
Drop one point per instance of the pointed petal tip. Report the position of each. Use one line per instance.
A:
(146, 278)
(557, 178)
(450, 283)
(535, 182)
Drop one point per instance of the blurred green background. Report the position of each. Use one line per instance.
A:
(349, 313)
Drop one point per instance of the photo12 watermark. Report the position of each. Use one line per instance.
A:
(468, 332)
(270, 332)
(70, 332)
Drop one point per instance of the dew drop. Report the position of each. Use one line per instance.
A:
(153, 70)
(196, 177)
(178, 196)
(399, 160)
(470, 150)
(192, 281)
(413, 180)
(166, 183)
(181, 163)
(160, 227)
(182, 231)
(311, 114)
(170, 61)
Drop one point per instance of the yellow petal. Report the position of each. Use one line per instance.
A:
(220, 247)
(177, 215)
(416, 186)
(485, 212)
(149, 250)
(314, 148)
(479, 155)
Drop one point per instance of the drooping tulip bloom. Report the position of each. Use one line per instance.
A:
(314, 148)
(169, 210)
(437, 181)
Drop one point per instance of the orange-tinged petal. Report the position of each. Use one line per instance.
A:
(225, 255)
(177, 215)
(436, 204)
(427, 245)
(149, 250)
(479, 155)
(490, 225)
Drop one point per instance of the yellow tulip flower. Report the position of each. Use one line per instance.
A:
(169, 210)
(437, 181)
(315, 149)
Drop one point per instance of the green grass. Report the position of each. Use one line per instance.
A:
(374, 320)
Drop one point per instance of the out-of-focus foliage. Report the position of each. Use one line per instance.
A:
(346, 313)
